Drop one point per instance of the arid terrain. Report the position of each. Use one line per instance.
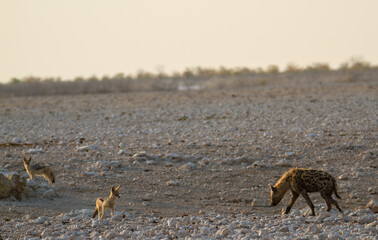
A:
(190, 153)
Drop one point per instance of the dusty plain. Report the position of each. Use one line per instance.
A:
(178, 153)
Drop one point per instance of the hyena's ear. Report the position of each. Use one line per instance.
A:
(117, 187)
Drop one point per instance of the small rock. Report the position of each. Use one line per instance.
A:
(140, 154)
(366, 219)
(312, 135)
(172, 183)
(88, 148)
(34, 151)
(289, 154)
(147, 198)
(171, 222)
(110, 234)
(373, 206)
(343, 176)
(121, 152)
(16, 140)
(313, 229)
(188, 166)
(283, 163)
(40, 220)
(50, 194)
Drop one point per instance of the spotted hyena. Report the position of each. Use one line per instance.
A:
(301, 182)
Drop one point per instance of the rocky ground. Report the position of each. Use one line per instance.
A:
(193, 164)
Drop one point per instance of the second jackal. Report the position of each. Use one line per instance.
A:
(37, 170)
(104, 203)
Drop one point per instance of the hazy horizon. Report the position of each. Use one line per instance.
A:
(69, 38)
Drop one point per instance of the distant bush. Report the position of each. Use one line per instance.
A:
(293, 68)
(207, 77)
(272, 69)
(318, 67)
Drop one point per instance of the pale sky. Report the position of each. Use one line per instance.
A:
(70, 38)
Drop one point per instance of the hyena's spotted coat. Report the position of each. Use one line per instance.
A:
(302, 181)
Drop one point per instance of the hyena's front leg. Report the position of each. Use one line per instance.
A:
(294, 197)
(308, 201)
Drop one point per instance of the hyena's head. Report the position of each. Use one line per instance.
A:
(275, 196)
(27, 161)
(115, 191)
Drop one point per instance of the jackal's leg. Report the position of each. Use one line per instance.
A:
(308, 201)
(99, 212)
(103, 212)
(294, 197)
(95, 212)
(47, 178)
(112, 210)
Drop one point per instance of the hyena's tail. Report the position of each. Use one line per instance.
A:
(95, 213)
(335, 191)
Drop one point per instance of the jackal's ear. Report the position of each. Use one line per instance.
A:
(29, 159)
(117, 187)
(112, 188)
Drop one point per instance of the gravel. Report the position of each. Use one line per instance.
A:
(192, 164)
(78, 224)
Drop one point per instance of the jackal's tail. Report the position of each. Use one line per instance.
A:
(335, 191)
(95, 213)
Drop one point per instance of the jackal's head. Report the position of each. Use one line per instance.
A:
(27, 161)
(114, 191)
(275, 196)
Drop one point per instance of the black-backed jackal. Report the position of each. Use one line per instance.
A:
(37, 170)
(104, 203)
(302, 181)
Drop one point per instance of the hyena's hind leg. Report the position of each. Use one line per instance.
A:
(329, 201)
(308, 201)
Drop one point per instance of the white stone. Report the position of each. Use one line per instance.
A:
(343, 176)
(140, 154)
(88, 148)
(34, 151)
(172, 183)
(121, 152)
(40, 220)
